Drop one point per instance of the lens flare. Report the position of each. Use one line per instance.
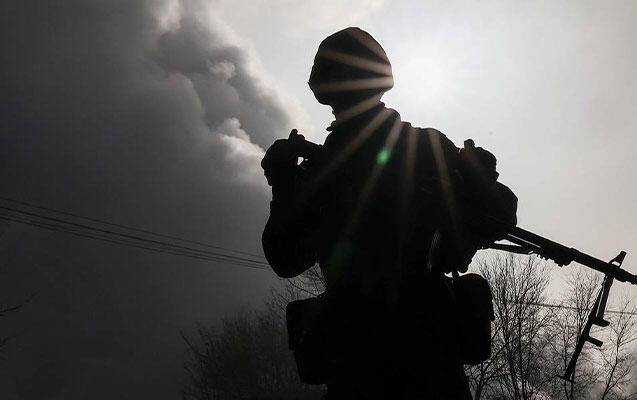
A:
(385, 82)
(383, 156)
(444, 177)
(371, 181)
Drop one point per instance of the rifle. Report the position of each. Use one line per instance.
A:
(525, 242)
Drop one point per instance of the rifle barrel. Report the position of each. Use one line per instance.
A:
(563, 255)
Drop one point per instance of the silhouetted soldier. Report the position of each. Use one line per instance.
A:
(385, 209)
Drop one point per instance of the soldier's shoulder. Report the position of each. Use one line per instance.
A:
(431, 132)
(407, 126)
(431, 135)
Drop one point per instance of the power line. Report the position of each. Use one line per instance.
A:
(141, 245)
(167, 250)
(119, 234)
(92, 232)
(130, 228)
(550, 305)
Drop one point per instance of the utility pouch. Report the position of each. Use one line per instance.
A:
(306, 340)
(475, 313)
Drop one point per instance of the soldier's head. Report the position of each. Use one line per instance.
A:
(350, 67)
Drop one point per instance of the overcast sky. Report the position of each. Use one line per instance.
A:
(155, 114)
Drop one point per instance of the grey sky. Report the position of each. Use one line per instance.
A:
(156, 114)
(548, 86)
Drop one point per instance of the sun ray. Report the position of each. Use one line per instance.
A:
(355, 84)
(357, 141)
(368, 188)
(356, 61)
(444, 177)
(371, 181)
(407, 183)
(368, 42)
(405, 198)
(356, 109)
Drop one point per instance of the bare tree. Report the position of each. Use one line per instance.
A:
(615, 358)
(516, 369)
(248, 357)
(569, 317)
(3, 312)
(534, 338)
(11, 307)
(309, 284)
(600, 372)
(484, 375)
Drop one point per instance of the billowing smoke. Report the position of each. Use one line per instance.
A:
(219, 75)
(139, 112)
(114, 79)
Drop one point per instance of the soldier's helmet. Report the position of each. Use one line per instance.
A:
(350, 66)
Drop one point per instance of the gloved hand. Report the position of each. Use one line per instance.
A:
(279, 162)
(477, 165)
(281, 158)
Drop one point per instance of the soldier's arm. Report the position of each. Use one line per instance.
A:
(476, 209)
(449, 250)
(288, 237)
(288, 248)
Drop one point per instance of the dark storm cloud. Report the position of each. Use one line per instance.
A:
(142, 113)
